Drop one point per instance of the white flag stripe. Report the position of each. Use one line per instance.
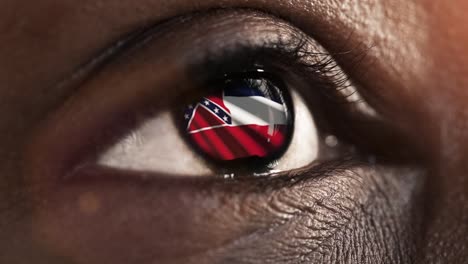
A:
(207, 128)
(255, 110)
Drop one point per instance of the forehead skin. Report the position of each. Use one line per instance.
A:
(419, 77)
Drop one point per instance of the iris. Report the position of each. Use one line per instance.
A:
(243, 118)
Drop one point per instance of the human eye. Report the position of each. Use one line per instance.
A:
(247, 124)
(269, 101)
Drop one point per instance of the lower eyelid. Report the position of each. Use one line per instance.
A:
(162, 209)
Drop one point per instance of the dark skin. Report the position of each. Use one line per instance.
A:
(413, 74)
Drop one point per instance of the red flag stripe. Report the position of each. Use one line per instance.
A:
(231, 141)
(242, 141)
(255, 138)
(252, 147)
(260, 135)
(216, 146)
(202, 142)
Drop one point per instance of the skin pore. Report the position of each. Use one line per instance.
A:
(54, 77)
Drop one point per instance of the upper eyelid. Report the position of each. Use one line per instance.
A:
(141, 56)
(139, 36)
(144, 35)
(128, 45)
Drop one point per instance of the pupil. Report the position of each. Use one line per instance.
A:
(245, 119)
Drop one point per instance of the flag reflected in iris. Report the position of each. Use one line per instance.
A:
(247, 118)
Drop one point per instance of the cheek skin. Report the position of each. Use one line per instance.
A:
(315, 219)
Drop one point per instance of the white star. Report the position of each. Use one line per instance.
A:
(225, 118)
(190, 106)
(216, 110)
(206, 102)
(187, 116)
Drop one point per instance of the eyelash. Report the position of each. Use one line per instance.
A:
(322, 78)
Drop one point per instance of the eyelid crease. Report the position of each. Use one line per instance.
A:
(299, 50)
(145, 33)
(82, 72)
